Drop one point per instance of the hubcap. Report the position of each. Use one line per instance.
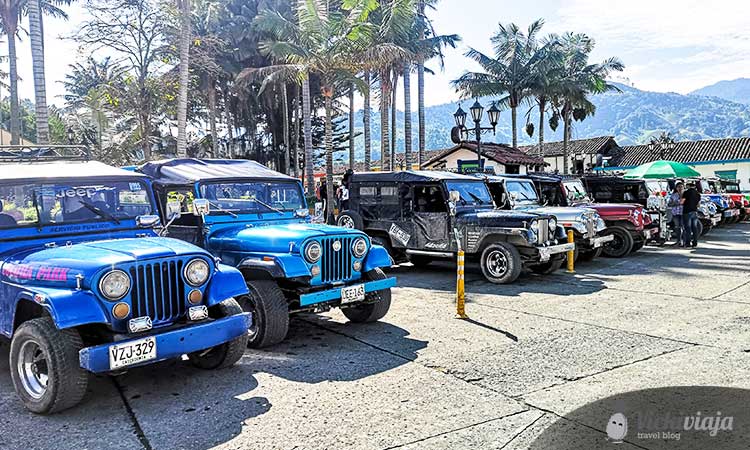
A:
(346, 222)
(33, 369)
(497, 263)
(250, 305)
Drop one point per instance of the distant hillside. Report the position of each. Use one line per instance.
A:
(733, 90)
(632, 116)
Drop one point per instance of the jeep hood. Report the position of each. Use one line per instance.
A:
(497, 218)
(277, 238)
(562, 213)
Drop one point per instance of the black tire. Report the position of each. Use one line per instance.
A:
(350, 219)
(622, 244)
(706, 228)
(700, 229)
(66, 381)
(379, 302)
(420, 260)
(637, 245)
(228, 353)
(491, 259)
(588, 255)
(553, 265)
(270, 313)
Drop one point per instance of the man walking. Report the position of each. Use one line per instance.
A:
(690, 201)
(675, 203)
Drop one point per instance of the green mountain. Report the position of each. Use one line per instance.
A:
(632, 116)
(733, 90)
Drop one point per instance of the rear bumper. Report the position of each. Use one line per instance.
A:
(335, 293)
(174, 343)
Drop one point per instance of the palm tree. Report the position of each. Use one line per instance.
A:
(34, 9)
(185, 13)
(9, 14)
(579, 79)
(543, 86)
(366, 113)
(333, 45)
(351, 127)
(407, 117)
(510, 73)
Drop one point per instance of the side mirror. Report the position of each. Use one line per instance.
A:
(148, 221)
(302, 212)
(174, 209)
(454, 196)
(201, 207)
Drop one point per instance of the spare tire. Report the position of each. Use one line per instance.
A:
(350, 219)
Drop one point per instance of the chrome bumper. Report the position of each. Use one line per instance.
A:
(546, 252)
(597, 242)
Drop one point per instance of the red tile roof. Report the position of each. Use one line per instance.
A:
(500, 153)
(688, 152)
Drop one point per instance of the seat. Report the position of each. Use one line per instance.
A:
(6, 220)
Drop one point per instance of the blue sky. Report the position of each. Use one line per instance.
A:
(666, 45)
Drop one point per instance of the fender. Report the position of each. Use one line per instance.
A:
(68, 308)
(377, 257)
(278, 265)
(227, 282)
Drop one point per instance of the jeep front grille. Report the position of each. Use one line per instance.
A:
(543, 235)
(590, 226)
(336, 265)
(158, 290)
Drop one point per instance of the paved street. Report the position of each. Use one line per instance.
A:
(535, 366)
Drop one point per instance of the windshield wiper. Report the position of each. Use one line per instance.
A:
(268, 206)
(475, 197)
(219, 208)
(99, 212)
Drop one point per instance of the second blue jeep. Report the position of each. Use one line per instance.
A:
(258, 222)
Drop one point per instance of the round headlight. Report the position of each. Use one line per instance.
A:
(114, 285)
(197, 272)
(313, 252)
(552, 224)
(359, 248)
(535, 227)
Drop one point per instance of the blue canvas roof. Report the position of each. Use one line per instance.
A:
(62, 170)
(191, 170)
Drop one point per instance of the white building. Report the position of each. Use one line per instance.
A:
(582, 153)
(497, 158)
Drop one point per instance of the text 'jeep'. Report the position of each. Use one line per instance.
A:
(87, 285)
(258, 222)
(421, 216)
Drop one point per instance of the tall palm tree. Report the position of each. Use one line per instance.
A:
(351, 127)
(579, 79)
(333, 45)
(10, 11)
(510, 73)
(366, 113)
(407, 117)
(185, 14)
(543, 86)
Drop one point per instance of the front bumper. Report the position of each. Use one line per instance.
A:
(335, 293)
(715, 220)
(599, 241)
(651, 233)
(546, 252)
(174, 343)
(731, 212)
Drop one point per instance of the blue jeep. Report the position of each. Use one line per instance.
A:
(86, 284)
(258, 222)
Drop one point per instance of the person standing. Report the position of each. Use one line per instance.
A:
(691, 198)
(675, 203)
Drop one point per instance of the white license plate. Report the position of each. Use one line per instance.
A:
(353, 294)
(715, 220)
(134, 352)
(731, 213)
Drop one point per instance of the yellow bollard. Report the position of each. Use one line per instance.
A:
(460, 297)
(571, 253)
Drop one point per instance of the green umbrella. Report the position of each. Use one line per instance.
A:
(662, 169)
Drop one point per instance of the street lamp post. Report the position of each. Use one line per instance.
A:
(476, 111)
(662, 146)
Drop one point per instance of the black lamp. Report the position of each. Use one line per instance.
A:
(494, 115)
(460, 116)
(476, 111)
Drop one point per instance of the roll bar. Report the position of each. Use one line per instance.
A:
(43, 153)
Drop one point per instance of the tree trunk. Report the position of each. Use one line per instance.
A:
(182, 99)
(420, 97)
(566, 139)
(514, 118)
(385, 95)
(407, 118)
(351, 127)
(542, 106)
(228, 118)
(37, 60)
(329, 163)
(285, 114)
(295, 156)
(366, 122)
(15, 115)
(212, 117)
(307, 130)
(394, 128)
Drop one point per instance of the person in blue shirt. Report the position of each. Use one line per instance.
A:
(675, 203)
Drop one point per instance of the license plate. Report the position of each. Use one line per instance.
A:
(353, 294)
(731, 213)
(715, 220)
(134, 352)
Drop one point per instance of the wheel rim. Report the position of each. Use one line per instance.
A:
(33, 369)
(250, 305)
(616, 245)
(346, 222)
(497, 263)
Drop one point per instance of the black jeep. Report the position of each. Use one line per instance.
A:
(420, 216)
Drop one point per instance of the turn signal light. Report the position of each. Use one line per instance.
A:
(121, 310)
(195, 296)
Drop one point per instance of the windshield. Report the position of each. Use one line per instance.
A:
(522, 191)
(65, 203)
(575, 190)
(472, 192)
(657, 187)
(732, 188)
(252, 197)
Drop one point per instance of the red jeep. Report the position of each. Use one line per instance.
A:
(627, 222)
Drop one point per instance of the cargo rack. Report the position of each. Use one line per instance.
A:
(42, 153)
